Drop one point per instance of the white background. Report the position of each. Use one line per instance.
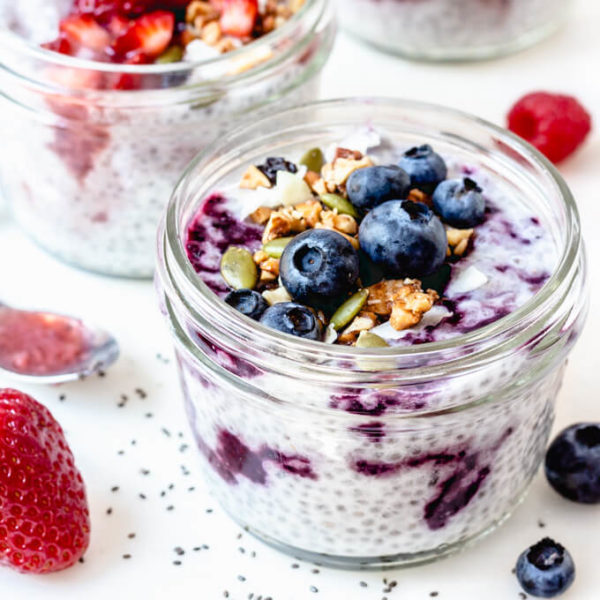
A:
(98, 429)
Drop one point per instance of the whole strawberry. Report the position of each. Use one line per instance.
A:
(44, 516)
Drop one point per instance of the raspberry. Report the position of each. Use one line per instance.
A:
(44, 516)
(555, 124)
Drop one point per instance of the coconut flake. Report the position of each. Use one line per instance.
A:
(362, 140)
(466, 281)
(197, 51)
(291, 189)
(430, 319)
(331, 334)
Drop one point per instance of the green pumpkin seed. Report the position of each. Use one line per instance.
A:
(366, 339)
(349, 309)
(313, 160)
(170, 55)
(274, 248)
(343, 206)
(238, 268)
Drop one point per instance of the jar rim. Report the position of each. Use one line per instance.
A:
(179, 277)
(35, 51)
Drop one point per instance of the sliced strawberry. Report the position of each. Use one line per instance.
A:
(238, 17)
(131, 81)
(149, 35)
(60, 44)
(83, 30)
(117, 25)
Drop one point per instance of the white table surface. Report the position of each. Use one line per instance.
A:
(153, 432)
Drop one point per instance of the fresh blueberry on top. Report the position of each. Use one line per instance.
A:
(248, 302)
(319, 267)
(425, 168)
(573, 463)
(371, 186)
(274, 164)
(404, 237)
(294, 319)
(459, 203)
(546, 569)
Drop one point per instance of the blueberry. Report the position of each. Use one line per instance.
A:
(546, 569)
(425, 168)
(371, 186)
(573, 463)
(459, 203)
(274, 164)
(294, 319)
(248, 302)
(319, 267)
(404, 237)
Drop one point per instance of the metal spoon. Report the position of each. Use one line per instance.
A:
(44, 347)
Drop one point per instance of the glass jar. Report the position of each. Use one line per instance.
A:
(87, 170)
(368, 457)
(452, 29)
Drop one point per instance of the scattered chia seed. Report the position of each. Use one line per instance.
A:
(295, 566)
(242, 550)
(191, 489)
(170, 507)
(179, 551)
(183, 447)
(363, 584)
(145, 471)
(62, 398)
(225, 594)
(177, 562)
(149, 415)
(81, 560)
(209, 510)
(121, 452)
(171, 486)
(163, 494)
(434, 594)
(541, 524)
(101, 374)
(239, 536)
(126, 556)
(166, 431)
(196, 548)
(313, 589)
(114, 488)
(131, 536)
(180, 434)
(205, 547)
(315, 571)
(522, 595)
(109, 511)
(141, 393)
(133, 442)
(142, 496)
(241, 578)
(253, 554)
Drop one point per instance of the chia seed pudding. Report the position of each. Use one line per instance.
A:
(402, 450)
(452, 29)
(111, 135)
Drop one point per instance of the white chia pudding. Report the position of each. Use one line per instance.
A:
(109, 146)
(402, 430)
(451, 29)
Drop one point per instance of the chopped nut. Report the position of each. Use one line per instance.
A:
(364, 321)
(260, 256)
(311, 178)
(270, 265)
(211, 33)
(458, 240)
(281, 222)
(226, 44)
(381, 294)
(261, 215)
(336, 173)
(311, 211)
(254, 178)
(354, 241)
(417, 195)
(346, 153)
(341, 223)
(319, 186)
(202, 9)
(409, 304)
(266, 277)
(277, 295)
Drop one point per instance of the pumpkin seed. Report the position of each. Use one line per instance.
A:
(366, 339)
(349, 309)
(238, 268)
(275, 247)
(313, 159)
(343, 206)
(170, 55)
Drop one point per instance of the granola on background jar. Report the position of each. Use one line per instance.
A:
(452, 29)
(371, 376)
(110, 106)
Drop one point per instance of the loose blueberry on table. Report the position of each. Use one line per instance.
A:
(362, 245)
(546, 569)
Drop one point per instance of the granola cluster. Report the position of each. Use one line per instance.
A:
(402, 302)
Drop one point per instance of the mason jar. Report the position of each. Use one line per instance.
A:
(88, 169)
(367, 457)
(452, 29)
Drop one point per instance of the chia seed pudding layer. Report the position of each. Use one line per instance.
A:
(106, 161)
(451, 29)
(366, 457)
